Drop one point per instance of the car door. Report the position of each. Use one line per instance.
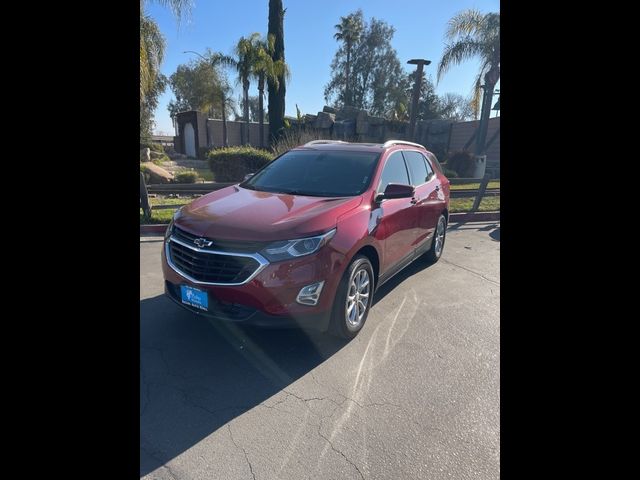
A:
(396, 227)
(427, 202)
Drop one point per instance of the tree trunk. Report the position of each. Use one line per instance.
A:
(261, 107)
(276, 95)
(347, 99)
(225, 140)
(245, 88)
(481, 138)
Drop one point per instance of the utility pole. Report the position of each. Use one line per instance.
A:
(416, 93)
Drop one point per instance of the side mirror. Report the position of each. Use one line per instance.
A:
(248, 176)
(396, 190)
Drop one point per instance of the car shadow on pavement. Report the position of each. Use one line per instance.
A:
(197, 375)
(416, 267)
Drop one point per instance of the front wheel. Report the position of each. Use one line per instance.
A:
(437, 245)
(353, 300)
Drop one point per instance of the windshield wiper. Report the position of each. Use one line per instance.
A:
(293, 191)
(300, 192)
(251, 187)
(323, 193)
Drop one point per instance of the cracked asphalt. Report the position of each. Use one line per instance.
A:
(415, 395)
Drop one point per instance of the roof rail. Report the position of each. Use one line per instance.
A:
(389, 143)
(318, 142)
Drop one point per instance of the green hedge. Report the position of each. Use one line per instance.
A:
(461, 162)
(233, 163)
(186, 177)
(154, 147)
(449, 173)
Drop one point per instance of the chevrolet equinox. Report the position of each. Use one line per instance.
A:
(309, 237)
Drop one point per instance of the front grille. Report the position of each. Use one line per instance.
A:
(212, 267)
(221, 245)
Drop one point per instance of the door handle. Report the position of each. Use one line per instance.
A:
(414, 200)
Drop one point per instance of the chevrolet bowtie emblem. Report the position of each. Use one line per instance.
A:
(202, 242)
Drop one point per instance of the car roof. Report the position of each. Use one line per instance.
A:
(360, 147)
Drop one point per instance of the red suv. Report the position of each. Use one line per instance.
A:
(308, 238)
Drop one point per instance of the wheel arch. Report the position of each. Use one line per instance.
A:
(371, 253)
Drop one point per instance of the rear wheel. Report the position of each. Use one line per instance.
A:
(353, 300)
(437, 245)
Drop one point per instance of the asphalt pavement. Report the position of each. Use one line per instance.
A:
(415, 395)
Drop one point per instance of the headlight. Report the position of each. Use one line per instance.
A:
(169, 230)
(287, 249)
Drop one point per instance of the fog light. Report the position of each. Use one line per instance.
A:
(310, 294)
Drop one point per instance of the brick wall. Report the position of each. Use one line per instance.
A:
(461, 133)
(234, 133)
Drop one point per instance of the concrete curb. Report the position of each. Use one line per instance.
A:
(153, 229)
(453, 218)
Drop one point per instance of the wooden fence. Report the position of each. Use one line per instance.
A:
(203, 188)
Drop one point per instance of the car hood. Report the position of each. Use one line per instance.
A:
(237, 213)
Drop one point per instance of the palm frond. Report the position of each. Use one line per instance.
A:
(152, 47)
(467, 22)
(456, 53)
(181, 8)
(350, 28)
(471, 33)
(476, 95)
(218, 58)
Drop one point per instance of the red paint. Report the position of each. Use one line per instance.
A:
(394, 228)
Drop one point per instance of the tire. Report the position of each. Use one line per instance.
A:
(347, 323)
(437, 245)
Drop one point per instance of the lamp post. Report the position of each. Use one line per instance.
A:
(416, 93)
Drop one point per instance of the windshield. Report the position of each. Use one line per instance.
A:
(316, 173)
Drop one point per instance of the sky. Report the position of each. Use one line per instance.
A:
(309, 44)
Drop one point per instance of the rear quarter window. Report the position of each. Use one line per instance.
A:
(435, 164)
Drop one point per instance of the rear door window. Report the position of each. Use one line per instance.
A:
(417, 167)
(429, 169)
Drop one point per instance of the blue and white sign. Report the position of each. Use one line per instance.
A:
(194, 297)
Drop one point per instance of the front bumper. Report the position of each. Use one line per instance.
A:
(269, 298)
(239, 314)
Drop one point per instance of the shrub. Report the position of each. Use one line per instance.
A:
(461, 162)
(233, 163)
(449, 173)
(154, 147)
(439, 151)
(188, 176)
(203, 152)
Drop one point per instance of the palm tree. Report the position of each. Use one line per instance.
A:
(349, 31)
(226, 101)
(152, 43)
(277, 92)
(472, 34)
(246, 53)
(224, 90)
(265, 68)
(152, 46)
